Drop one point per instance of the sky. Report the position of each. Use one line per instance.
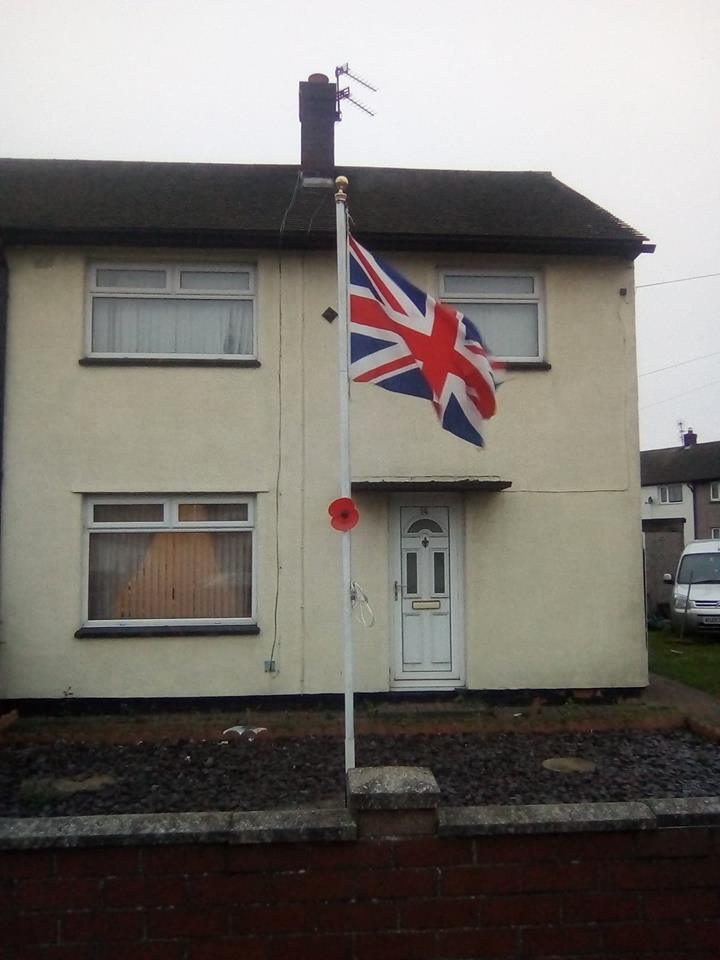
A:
(618, 98)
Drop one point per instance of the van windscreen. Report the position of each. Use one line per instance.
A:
(700, 568)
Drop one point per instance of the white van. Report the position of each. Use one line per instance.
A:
(695, 603)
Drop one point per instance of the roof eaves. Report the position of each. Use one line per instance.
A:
(321, 239)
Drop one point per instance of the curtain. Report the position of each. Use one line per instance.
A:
(170, 575)
(145, 325)
(508, 329)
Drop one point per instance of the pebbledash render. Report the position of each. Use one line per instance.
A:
(170, 438)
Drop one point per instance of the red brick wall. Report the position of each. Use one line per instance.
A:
(640, 895)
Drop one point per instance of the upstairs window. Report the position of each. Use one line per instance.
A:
(715, 533)
(715, 490)
(179, 311)
(505, 306)
(169, 560)
(671, 493)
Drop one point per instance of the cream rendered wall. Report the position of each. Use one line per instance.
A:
(553, 566)
(567, 609)
(566, 438)
(73, 430)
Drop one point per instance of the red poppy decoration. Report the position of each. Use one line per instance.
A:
(343, 514)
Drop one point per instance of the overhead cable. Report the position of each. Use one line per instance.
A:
(661, 283)
(680, 363)
(655, 403)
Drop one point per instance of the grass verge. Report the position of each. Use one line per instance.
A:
(694, 660)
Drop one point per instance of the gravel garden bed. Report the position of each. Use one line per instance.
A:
(78, 778)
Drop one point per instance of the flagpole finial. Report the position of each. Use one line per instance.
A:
(341, 183)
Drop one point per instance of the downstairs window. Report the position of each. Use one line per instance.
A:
(170, 560)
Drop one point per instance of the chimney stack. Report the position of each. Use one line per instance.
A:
(318, 115)
(689, 438)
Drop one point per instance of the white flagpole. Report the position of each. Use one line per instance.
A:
(341, 218)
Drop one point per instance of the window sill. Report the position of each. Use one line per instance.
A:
(527, 365)
(179, 630)
(164, 362)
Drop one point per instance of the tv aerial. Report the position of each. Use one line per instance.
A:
(343, 93)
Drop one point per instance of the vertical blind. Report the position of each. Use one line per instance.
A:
(170, 575)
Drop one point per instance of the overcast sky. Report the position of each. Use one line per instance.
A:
(618, 98)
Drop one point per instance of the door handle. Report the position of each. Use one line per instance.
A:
(397, 589)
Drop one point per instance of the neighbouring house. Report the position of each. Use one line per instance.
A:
(680, 493)
(171, 434)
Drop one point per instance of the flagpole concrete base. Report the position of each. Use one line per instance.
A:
(393, 801)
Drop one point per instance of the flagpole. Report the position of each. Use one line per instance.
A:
(341, 218)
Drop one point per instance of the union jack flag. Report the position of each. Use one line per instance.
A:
(403, 340)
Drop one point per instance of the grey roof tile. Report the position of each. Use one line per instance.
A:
(68, 200)
(680, 464)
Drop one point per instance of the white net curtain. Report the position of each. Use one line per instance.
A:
(148, 325)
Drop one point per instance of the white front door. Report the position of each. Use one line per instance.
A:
(427, 595)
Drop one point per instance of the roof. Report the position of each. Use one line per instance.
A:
(263, 205)
(680, 464)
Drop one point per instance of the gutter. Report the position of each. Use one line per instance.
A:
(325, 240)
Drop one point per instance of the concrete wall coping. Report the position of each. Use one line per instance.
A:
(339, 825)
(545, 818)
(274, 826)
(685, 811)
(646, 814)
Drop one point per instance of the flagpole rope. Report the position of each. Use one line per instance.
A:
(361, 604)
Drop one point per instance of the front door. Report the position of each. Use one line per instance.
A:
(425, 590)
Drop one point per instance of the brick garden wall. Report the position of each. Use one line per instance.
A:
(640, 894)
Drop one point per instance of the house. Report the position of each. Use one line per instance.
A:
(680, 496)
(171, 434)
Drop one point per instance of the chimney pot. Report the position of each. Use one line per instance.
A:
(689, 438)
(318, 115)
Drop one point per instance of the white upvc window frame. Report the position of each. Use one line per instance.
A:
(715, 491)
(171, 291)
(664, 493)
(537, 297)
(170, 521)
